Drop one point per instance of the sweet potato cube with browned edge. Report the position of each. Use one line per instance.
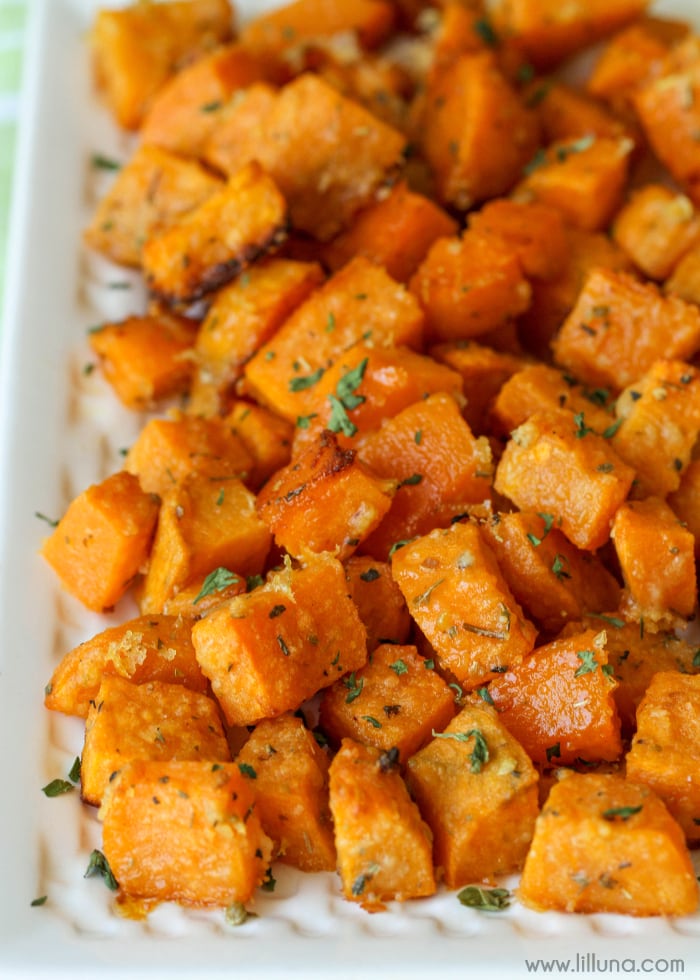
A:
(379, 601)
(656, 227)
(187, 108)
(359, 303)
(163, 821)
(270, 650)
(477, 790)
(469, 285)
(103, 540)
(136, 50)
(204, 524)
(620, 326)
(170, 449)
(468, 109)
(208, 246)
(326, 499)
(459, 598)
(267, 437)
(556, 464)
(559, 702)
(664, 753)
(146, 721)
(148, 648)
(145, 358)
(196, 599)
(534, 232)
(606, 844)
(584, 179)
(440, 466)
(659, 425)
(242, 317)
(548, 33)
(394, 702)
(150, 192)
(384, 847)
(395, 232)
(291, 791)
(550, 577)
(657, 560)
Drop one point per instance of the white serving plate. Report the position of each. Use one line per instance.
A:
(61, 431)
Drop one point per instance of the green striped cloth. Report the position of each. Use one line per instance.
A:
(12, 22)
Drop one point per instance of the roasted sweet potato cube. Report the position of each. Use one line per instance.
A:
(660, 424)
(620, 326)
(270, 650)
(145, 358)
(267, 436)
(556, 464)
(291, 791)
(664, 753)
(196, 599)
(384, 847)
(656, 227)
(567, 113)
(605, 844)
(583, 178)
(469, 285)
(103, 540)
(456, 593)
(146, 721)
(163, 821)
(441, 468)
(241, 318)
(559, 702)
(394, 702)
(379, 601)
(533, 231)
(326, 499)
(150, 192)
(468, 108)
(360, 302)
(395, 232)
(204, 524)
(148, 648)
(657, 559)
(168, 450)
(684, 281)
(208, 246)
(685, 501)
(477, 790)
(135, 50)
(552, 580)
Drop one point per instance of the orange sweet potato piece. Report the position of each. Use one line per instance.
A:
(605, 844)
(196, 599)
(144, 358)
(102, 540)
(378, 599)
(559, 701)
(146, 721)
(395, 232)
(567, 113)
(209, 245)
(359, 302)
(459, 598)
(477, 790)
(270, 650)
(384, 847)
(620, 326)
(394, 702)
(468, 109)
(684, 281)
(267, 437)
(291, 791)
(204, 524)
(664, 752)
(656, 227)
(150, 192)
(556, 464)
(163, 821)
(657, 559)
(685, 501)
(441, 468)
(534, 232)
(326, 499)
(135, 50)
(552, 580)
(469, 285)
(148, 648)
(240, 129)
